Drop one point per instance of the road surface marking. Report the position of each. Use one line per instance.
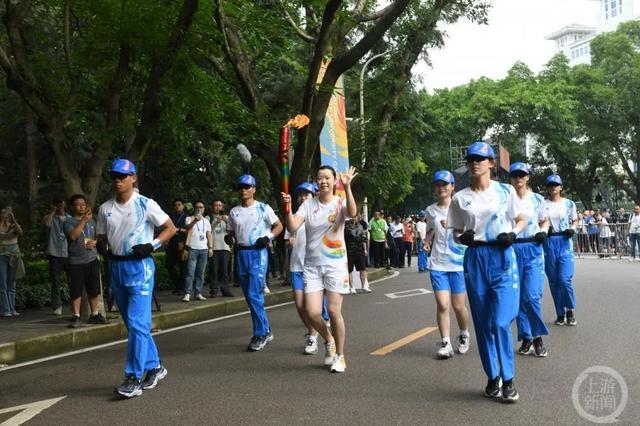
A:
(404, 341)
(28, 411)
(169, 330)
(408, 293)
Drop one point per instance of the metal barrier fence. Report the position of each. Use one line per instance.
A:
(610, 241)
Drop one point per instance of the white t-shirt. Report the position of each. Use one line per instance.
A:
(488, 212)
(560, 214)
(446, 254)
(129, 224)
(605, 231)
(421, 229)
(634, 227)
(251, 223)
(218, 231)
(324, 224)
(531, 208)
(198, 233)
(396, 229)
(296, 261)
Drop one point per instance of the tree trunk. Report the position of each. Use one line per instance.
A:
(31, 139)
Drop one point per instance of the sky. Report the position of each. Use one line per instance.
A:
(515, 32)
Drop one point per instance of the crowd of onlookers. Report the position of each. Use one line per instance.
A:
(607, 233)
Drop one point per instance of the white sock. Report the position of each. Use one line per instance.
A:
(94, 313)
(312, 337)
(464, 332)
(366, 284)
(446, 340)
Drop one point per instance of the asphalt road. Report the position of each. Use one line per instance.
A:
(212, 380)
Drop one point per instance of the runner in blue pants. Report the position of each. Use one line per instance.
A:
(530, 257)
(481, 217)
(252, 226)
(125, 234)
(558, 250)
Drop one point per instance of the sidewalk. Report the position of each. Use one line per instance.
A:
(38, 333)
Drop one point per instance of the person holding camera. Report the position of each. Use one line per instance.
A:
(84, 271)
(200, 245)
(10, 255)
(219, 264)
(355, 238)
(125, 229)
(57, 250)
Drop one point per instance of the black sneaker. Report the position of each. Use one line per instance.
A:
(153, 377)
(97, 319)
(538, 348)
(509, 392)
(257, 343)
(228, 293)
(493, 388)
(525, 349)
(75, 322)
(571, 320)
(559, 320)
(129, 388)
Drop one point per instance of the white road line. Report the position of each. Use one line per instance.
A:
(169, 330)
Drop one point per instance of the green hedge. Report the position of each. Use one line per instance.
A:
(34, 290)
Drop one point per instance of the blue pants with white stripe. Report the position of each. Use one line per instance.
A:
(132, 285)
(422, 256)
(491, 277)
(530, 258)
(252, 270)
(558, 263)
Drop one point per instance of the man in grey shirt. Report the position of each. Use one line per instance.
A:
(57, 250)
(84, 271)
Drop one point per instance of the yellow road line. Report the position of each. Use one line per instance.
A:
(404, 341)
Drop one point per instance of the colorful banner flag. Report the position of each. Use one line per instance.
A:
(334, 149)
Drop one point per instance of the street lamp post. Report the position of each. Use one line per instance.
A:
(365, 206)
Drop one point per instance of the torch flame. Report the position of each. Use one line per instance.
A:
(298, 122)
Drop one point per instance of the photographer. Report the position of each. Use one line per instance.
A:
(356, 241)
(10, 230)
(57, 250)
(219, 264)
(200, 246)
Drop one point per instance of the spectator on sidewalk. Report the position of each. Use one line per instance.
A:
(219, 263)
(391, 251)
(356, 239)
(592, 231)
(84, 270)
(634, 232)
(583, 238)
(407, 240)
(175, 266)
(378, 239)
(200, 246)
(10, 262)
(397, 231)
(57, 250)
(604, 234)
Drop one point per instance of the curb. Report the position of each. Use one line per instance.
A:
(70, 340)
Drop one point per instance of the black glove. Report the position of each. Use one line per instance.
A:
(466, 237)
(103, 248)
(142, 251)
(568, 233)
(540, 237)
(262, 242)
(229, 240)
(505, 239)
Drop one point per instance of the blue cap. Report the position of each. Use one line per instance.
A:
(305, 186)
(315, 187)
(519, 167)
(481, 149)
(246, 180)
(421, 213)
(551, 179)
(122, 165)
(444, 176)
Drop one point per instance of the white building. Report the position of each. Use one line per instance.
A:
(574, 40)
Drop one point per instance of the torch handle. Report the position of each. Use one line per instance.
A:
(285, 139)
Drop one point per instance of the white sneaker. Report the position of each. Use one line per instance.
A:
(366, 289)
(339, 364)
(631, 259)
(329, 352)
(266, 290)
(445, 351)
(201, 297)
(186, 298)
(463, 344)
(311, 347)
(353, 290)
(57, 311)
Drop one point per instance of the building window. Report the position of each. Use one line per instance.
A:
(619, 7)
(606, 9)
(614, 8)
